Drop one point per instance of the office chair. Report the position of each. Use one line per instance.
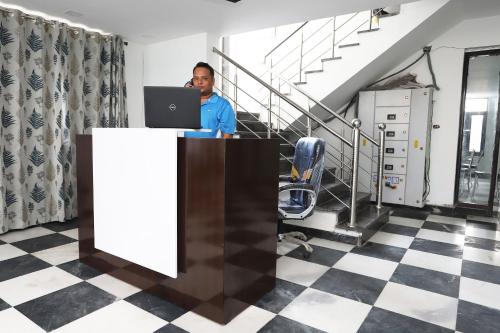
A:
(303, 185)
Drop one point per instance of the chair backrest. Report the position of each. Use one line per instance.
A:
(308, 163)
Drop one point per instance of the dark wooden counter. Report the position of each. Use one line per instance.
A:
(227, 208)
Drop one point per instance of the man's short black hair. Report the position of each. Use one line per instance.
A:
(205, 65)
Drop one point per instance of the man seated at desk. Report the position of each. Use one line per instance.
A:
(216, 112)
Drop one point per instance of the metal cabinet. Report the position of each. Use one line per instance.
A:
(407, 114)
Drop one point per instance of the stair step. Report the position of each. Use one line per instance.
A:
(331, 59)
(254, 125)
(314, 71)
(368, 30)
(287, 149)
(243, 115)
(368, 222)
(348, 45)
(342, 211)
(299, 83)
(288, 135)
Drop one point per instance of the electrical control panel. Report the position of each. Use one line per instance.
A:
(407, 114)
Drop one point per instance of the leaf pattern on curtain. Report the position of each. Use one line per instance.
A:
(55, 82)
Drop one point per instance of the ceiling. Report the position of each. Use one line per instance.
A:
(150, 21)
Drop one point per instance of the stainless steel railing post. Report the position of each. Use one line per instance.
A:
(356, 123)
(381, 155)
(301, 54)
(309, 123)
(235, 91)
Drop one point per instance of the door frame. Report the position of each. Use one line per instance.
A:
(494, 166)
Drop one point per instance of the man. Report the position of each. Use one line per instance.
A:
(216, 112)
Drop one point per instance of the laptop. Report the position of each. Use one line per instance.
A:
(172, 107)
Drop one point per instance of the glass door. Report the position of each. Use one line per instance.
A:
(477, 159)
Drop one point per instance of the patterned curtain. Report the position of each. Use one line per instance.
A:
(55, 82)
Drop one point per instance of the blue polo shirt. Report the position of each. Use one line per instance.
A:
(216, 114)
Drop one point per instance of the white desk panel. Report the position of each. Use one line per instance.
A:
(135, 195)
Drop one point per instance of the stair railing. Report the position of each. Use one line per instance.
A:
(296, 46)
(353, 143)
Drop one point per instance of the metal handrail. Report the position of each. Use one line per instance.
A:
(286, 158)
(283, 41)
(288, 100)
(269, 128)
(324, 107)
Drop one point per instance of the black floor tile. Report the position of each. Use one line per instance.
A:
(18, 266)
(61, 226)
(66, 305)
(400, 229)
(320, 255)
(281, 324)
(479, 271)
(358, 287)
(443, 227)
(2, 242)
(426, 279)
(383, 321)
(483, 225)
(410, 213)
(170, 328)
(475, 318)
(156, 305)
(280, 296)
(444, 249)
(43, 242)
(381, 251)
(482, 243)
(3, 305)
(79, 269)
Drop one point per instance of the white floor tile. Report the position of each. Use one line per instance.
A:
(327, 312)
(441, 236)
(285, 247)
(14, 321)
(331, 244)
(59, 254)
(420, 304)
(73, 233)
(113, 285)
(433, 261)
(19, 235)
(446, 219)
(482, 256)
(482, 233)
(120, 317)
(392, 239)
(404, 221)
(494, 220)
(30, 286)
(8, 251)
(299, 271)
(480, 292)
(369, 266)
(249, 321)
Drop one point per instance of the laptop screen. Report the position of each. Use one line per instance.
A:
(172, 107)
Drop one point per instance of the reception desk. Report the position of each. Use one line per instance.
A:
(203, 238)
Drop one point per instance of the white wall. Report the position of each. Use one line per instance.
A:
(170, 63)
(134, 57)
(447, 59)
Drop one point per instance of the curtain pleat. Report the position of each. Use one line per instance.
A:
(55, 82)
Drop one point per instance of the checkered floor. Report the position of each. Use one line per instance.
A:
(420, 273)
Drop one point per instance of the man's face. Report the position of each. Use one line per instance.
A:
(203, 80)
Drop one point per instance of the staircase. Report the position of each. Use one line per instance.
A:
(331, 208)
